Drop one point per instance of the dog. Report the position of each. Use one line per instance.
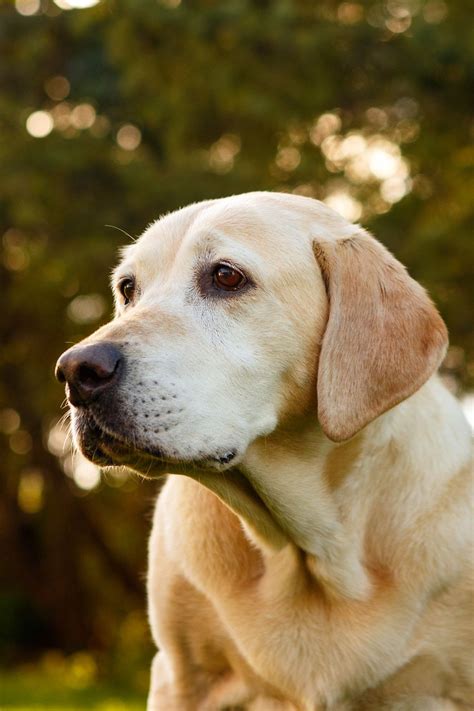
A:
(312, 545)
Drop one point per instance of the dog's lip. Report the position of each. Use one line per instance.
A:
(118, 450)
(114, 446)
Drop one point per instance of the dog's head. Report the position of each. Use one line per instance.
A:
(235, 315)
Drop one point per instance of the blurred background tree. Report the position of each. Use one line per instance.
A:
(114, 112)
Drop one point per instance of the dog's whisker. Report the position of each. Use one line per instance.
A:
(120, 229)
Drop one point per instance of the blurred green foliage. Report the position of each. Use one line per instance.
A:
(146, 106)
(57, 683)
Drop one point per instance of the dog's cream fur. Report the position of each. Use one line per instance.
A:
(327, 567)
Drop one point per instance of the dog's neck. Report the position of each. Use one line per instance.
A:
(297, 488)
(295, 472)
(283, 493)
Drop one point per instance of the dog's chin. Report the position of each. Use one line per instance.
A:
(110, 449)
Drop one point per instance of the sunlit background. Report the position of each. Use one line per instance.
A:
(114, 112)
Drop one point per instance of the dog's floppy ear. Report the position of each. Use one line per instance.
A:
(383, 339)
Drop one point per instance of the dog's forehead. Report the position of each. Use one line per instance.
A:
(265, 226)
(159, 243)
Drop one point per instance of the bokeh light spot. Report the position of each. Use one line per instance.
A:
(397, 25)
(86, 308)
(15, 258)
(377, 116)
(346, 205)
(394, 189)
(82, 670)
(57, 88)
(30, 491)
(129, 137)
(58, 439)
(21, 442)
(348, 13)
(222, 153)
(382, 163)
(9, 420)
(39, 124)
(435, 11)
(85, 474)
(326, 125)
(27, 7)
(61, 116)
(76, 4)
(288, 159)
(82, 116)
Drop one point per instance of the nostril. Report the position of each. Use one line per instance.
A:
(93, 376)
(96, 371)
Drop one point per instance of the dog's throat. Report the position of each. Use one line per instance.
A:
(236, 492)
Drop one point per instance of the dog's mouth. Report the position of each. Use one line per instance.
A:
(106, 447)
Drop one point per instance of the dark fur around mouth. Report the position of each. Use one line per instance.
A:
(106, 447)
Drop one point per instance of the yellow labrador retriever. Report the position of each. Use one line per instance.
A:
(311, 548)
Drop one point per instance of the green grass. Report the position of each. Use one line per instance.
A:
(38, 690)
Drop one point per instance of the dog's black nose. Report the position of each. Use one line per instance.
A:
(88, 370)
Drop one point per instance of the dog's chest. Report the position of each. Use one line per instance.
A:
(265, 608)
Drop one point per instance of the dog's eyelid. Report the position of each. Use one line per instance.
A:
(126, 288)
(211, 284)
(232, 264)
(120, 279)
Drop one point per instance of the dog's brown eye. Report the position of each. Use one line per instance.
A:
(228, 278)
(127, 289)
